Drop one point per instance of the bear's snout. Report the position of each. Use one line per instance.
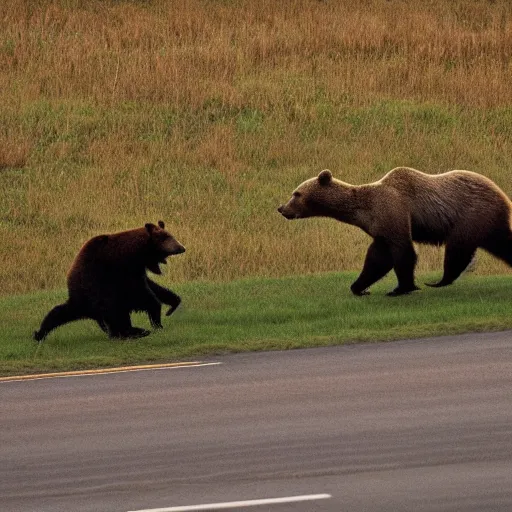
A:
(286, 214)
(176, 249)
(172, 247)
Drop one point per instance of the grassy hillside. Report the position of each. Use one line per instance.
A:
(207, 113)
(255, 314)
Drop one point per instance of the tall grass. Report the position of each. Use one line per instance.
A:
(207, 113)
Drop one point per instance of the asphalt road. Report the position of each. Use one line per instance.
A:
(422, 425)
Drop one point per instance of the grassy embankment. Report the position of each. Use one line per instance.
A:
(207, 114)
(255, 314)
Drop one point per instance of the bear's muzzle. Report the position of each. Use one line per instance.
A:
(285, 214)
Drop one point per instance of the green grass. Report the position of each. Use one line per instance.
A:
(256, 314)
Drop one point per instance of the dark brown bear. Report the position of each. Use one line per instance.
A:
(108, 281)
(461, 209)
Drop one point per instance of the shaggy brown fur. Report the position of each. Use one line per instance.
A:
(461, 209)
(108, 281)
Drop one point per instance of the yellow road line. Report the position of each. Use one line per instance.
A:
(101, 371)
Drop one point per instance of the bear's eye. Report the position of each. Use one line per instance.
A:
(296, 194)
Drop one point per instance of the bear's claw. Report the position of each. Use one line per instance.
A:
(401, 291)
(38, 336)
(440, 284)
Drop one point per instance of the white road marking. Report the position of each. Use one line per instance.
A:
(238, 504)
(104, 371)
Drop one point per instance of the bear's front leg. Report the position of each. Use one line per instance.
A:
(155, 315)
(152, 306)
(377, 264)
(147, 301)
(404, 262)
(165, 296)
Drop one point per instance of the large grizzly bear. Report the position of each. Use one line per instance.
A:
(108, 280)
(461, 209)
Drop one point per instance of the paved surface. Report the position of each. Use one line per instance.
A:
(423, 425)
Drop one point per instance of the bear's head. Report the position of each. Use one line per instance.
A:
(161, 245)
(314, 197)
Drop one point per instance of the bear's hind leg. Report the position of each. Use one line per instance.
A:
(119, 326)
(501, 247)
(377, 264)
(59, 315)
(456, 259)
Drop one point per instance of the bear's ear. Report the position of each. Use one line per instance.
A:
(325, 177)
(161, 224)
(150, 227)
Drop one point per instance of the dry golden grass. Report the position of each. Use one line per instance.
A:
(208, 113)
(184, 52)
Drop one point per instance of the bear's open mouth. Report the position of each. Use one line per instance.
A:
(155, 266)
(161, 259)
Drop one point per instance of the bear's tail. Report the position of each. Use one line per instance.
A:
(59, 315)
